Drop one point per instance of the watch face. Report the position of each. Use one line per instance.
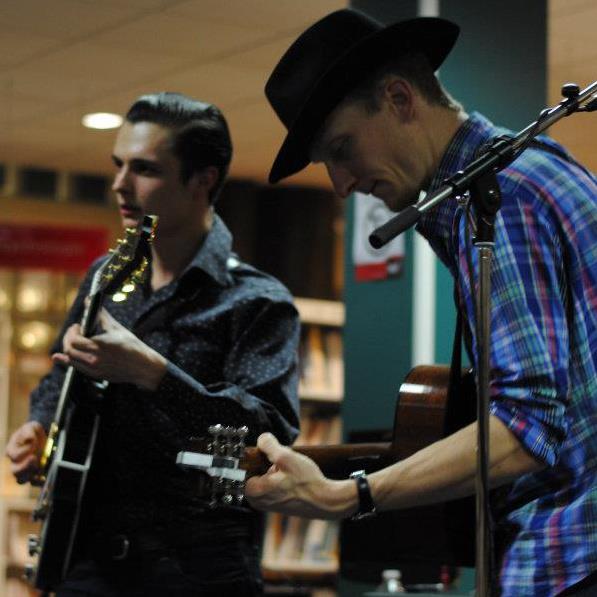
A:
(364, 515)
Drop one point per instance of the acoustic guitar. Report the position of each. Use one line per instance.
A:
(442, 533)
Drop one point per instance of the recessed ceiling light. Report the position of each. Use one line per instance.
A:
(102, 120)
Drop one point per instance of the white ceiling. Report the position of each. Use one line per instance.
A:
(60, 59)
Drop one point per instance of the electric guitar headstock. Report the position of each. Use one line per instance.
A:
(129, 259)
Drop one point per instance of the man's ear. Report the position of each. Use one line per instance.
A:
(400, 93)
(204, 180)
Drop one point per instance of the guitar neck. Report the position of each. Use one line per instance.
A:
(336, 462)
(87, 324)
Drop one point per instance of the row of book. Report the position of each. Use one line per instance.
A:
(321, 363)
(293, 543)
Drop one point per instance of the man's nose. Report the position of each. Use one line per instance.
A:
(344, 182)
(121, 180)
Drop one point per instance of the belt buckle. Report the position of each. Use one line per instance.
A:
(120, 547)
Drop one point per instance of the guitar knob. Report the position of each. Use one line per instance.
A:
(40, 512)
(29, 572)
(35, 515)
(33, 544)
(215, 429)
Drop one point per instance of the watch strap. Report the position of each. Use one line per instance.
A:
(366, 504)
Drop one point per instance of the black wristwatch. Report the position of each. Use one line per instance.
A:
(366, 504)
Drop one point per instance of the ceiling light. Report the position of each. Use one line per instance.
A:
(102, 120)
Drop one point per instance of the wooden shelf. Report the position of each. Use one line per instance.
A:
(321, 312)
(17, 503)
(318, 396)
(300, 573)
(296, 550)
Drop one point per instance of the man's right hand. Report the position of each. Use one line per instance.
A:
(24, 449)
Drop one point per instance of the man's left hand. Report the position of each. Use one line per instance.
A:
(294, 484)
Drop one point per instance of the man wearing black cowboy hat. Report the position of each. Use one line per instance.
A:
(364, 100)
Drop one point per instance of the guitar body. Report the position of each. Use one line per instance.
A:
(437, 534)
(68, 455)
(62, 495)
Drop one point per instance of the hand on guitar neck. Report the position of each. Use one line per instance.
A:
(294, 484)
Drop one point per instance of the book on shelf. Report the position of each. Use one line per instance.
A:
(293, 543)
(322, 368)
(315, 366)
(291, 546)
(335, 361)
(19, 526)
(314, 541)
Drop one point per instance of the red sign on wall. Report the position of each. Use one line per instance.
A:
(50, 247)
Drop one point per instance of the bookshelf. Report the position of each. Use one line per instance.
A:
(33, 304)
(32, 307)
(296, 550)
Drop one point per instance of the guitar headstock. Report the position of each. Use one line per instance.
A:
(131, 255)
(219, 457)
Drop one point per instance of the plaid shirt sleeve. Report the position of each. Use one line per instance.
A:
(529, 353)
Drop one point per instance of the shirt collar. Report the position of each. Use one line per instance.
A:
(461, 151)
(214, 254)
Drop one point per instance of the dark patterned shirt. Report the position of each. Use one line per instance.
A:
(543, 353)
(230, 335)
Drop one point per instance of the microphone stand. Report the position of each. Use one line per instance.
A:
(480, 180)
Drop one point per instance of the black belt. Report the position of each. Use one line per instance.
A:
(152, 543)
(121, 546)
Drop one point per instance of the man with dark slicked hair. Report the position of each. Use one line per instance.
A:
(206, 339)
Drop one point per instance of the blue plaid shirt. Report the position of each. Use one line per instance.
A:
(543, 355)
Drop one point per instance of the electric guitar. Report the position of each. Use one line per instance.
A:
(68, 452)
(441, 533)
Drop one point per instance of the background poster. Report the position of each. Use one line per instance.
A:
(369, 263)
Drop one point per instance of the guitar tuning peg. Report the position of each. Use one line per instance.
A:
(215, 429)
(239, 490)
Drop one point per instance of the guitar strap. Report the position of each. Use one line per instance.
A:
(455, 372)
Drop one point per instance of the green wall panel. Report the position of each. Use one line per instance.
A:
(377, 341)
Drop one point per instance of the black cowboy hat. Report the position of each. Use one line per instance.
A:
(328, 60)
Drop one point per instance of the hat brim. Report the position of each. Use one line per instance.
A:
(432, 36)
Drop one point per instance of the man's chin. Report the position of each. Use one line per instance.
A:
(130, 221)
